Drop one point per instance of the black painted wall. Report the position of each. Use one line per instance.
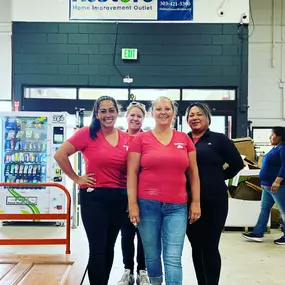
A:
(170, 55)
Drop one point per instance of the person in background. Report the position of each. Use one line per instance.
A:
(103, 194)
(214, 150)
(157, 198)
(136, 113)
(272, 176)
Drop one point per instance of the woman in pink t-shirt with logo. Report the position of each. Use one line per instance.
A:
(157, 198)
(103, 195)
(136, 113)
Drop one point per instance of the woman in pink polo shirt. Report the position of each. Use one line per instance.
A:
(103, 195)
(135, 116)
(157, 198)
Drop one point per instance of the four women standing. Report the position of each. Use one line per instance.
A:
(159, 163)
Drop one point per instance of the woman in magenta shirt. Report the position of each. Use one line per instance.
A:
(103, 196)
(157, 162)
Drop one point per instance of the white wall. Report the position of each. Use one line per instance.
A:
(5, 15)
(267, 64)
(5, 51)
(205, 11)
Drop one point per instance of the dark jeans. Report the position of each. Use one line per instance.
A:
(102, 211)
(204, 236)
(129, 231)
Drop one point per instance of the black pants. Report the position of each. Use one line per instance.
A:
(204, 236)
(102, 211)
(129, 231)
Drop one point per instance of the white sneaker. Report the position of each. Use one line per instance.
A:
(142, 278)
(127, 278)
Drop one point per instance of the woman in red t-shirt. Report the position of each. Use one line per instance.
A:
(103, 195)
(157, 198)
(135, 115)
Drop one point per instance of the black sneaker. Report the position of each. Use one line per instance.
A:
(253, 237)
(280, 241)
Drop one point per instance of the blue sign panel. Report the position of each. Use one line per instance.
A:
(175, 10)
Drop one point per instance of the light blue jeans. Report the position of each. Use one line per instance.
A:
(163, 227)
(267, 201)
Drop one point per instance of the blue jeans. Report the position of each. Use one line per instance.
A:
(267, 201)
(163, 227)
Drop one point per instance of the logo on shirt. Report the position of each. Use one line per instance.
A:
(126, 147)
(179, 145)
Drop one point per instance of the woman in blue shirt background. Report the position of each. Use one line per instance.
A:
(272, 176)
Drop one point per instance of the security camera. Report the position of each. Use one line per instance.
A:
(242, 18)
(220, 12)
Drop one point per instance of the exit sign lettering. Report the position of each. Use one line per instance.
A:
(129, 53)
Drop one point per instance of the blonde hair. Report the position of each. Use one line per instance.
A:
(137, 105)
(173, 103)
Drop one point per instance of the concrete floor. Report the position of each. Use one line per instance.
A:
(244, 263)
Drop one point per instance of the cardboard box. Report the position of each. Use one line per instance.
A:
(247, 191)
(245, 147)
(250, 164)
(259, 162)
(253, 186)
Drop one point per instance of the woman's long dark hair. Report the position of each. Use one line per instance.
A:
(95, 125)
(279, 132)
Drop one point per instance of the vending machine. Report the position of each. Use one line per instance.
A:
(28, 143)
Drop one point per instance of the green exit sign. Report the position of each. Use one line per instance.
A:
(129, 53)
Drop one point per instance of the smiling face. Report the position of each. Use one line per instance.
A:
(163, 112)
(197, 120)
(107, 114)
(135, 119)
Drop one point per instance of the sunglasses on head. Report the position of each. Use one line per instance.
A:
(134, 103)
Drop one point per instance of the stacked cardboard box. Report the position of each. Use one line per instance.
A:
(245, 147)
(249, 188)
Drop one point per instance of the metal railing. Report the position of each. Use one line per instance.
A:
(52, 216)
